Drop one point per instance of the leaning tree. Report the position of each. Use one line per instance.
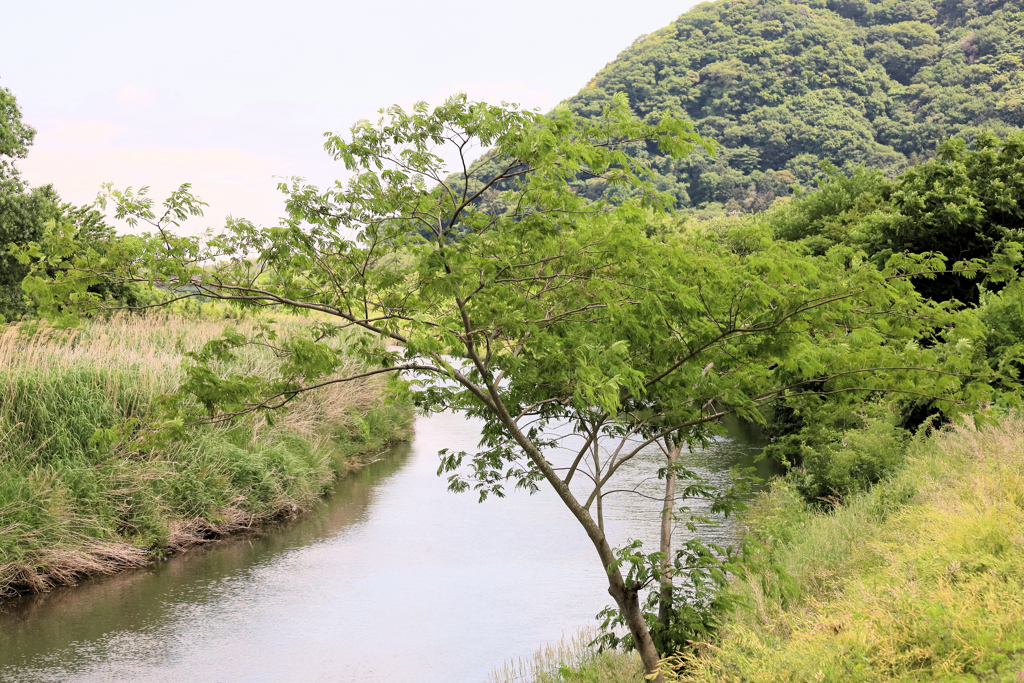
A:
(494, 289)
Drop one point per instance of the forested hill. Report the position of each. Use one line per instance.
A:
(783, 85)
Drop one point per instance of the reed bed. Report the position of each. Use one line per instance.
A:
(572, 659)
(71, 508)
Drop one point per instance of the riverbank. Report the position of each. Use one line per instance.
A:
(919, 579)
(572, 659)
(69, 507)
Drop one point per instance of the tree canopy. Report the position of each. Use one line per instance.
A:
(965, 203)
(23, 211)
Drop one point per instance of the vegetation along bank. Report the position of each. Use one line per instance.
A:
(77, 499)
(891, 551)
(919, 579)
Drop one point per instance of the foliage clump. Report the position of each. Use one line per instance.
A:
(26, 213)
(967, 203)
(842, 450)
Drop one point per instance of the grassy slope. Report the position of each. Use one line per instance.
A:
(69, 508)
(921, 579)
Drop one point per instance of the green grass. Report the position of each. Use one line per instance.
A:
(606, 667)
(919, 579)
(71, 507)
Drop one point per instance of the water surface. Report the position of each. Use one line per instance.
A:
(392, 579)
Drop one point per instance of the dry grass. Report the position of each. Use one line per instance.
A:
(151, 349)
(572, 659)
(70, 509)
(920, 580)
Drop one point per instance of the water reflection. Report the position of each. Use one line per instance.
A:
(35, 625)
(393, 579)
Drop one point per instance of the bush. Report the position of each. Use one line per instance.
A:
(841, 450)
(1002, 314)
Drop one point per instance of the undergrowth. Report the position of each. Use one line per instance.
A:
(919, 579)
(71, 506)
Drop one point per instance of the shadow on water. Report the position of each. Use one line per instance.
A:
(392, 578)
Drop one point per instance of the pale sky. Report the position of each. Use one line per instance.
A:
(227, 95)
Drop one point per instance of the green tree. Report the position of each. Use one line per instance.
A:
(15, 135)
(965, 203)
(23, 211)
(530, 309)
(968, 204)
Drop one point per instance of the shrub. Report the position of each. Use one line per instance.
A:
(841, 450)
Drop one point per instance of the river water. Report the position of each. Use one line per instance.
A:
(392, 579)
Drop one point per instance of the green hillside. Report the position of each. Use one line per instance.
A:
(784, 85)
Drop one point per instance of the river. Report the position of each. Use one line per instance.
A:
(391, 579)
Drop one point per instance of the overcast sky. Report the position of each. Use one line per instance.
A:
(226, 95)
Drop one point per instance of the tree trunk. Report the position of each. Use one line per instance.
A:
(665, 595)
(628, 601)
(600, 498)
(625, 597)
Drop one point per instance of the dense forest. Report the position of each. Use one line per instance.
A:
(783, 86)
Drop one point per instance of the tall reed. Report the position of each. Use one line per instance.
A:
(69, 507)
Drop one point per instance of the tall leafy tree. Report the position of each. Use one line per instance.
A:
(966, 203)
(533, 308)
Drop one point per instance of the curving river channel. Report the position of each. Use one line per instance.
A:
(392, 579)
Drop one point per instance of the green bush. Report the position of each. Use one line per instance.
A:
(841, 450)
(836, 212)
(1002, 314)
